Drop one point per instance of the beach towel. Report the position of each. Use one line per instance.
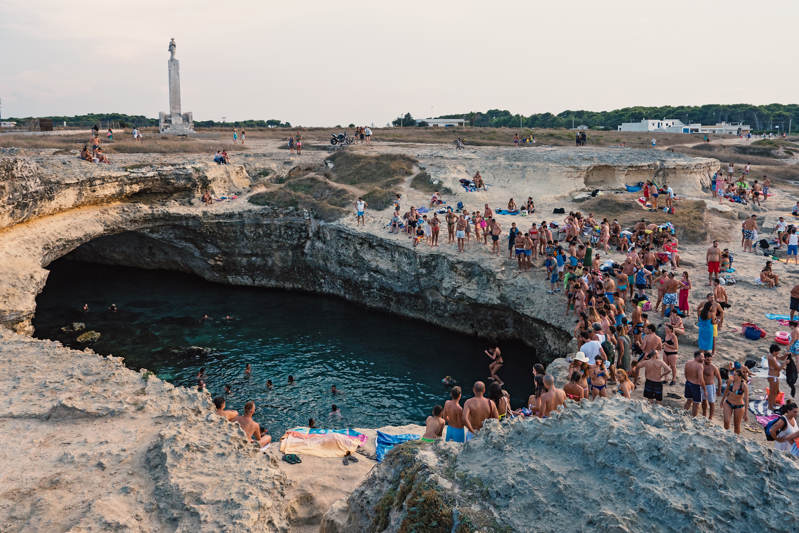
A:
(506, 212)
(306, 432)
(772, 316)
(635, 188)
(760, 409)
(330, 445)
(422, 210)
(385, 442)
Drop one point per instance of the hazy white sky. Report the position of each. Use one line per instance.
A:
(328, 62)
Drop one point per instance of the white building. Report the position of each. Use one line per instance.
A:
(673, 125)
(670, 125)
(444, 122)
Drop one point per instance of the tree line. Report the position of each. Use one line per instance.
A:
(121, 120)
(759, 117)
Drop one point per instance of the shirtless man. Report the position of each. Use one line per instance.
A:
(219, 403)
(651, 342)
(251, 428)
(670, 294)
(529, 249)
(460, 232)
(488, 213)
(720, 294)
(453, 415)
(477, 409)
(610, 288)
(776, 363)
(628, 269)
(434, 425)
(655, 371)
(749, 229)
(495, 231)
(712, 379)
(451, 219)
(695, 382)
(551, 399)
(519, 248)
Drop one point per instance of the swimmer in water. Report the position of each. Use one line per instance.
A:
(113, 308)
(333, 390)
(228, 317)
(291, 380)
(201, 374)
(335, 411)
(247, 370)
(269, 384)
(227, 388)
(85, 308)
(204, 318)
(311, 423)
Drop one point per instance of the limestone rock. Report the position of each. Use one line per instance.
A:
(88, 337)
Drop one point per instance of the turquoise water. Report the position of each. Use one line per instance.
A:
(388, 370)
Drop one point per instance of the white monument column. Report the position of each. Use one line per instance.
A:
(175, 122)
(174, 87)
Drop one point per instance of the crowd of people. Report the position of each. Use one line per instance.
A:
(630, 315)
(96, 153)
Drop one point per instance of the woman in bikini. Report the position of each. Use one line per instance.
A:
(496, 363)
(573, 389)
(670, 349)
(626, 386)
(735, 400)
(598, 378)
(497, 395)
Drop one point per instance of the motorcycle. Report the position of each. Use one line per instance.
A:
(341, 138)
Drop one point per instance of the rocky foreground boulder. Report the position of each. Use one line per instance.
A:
(609, 465)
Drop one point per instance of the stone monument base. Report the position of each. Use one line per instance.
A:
(176, 124)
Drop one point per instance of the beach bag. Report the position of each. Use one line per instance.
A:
(647, 306)
(768, 427)
(558, 211)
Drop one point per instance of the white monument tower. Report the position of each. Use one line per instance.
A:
(175, 122)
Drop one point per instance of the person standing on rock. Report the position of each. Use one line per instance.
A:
(460, 232)
(453, 414)
(451, 219)
(655, 371)
(712, 377)
(496, 230)
(435, 227)
(496, 363)
(694, 382)
(749, 233)
(477, 410)
(251, 428)
(360, 209)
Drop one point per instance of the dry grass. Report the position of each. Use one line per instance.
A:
(353, 168)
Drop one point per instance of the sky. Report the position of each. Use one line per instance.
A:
(322, 63)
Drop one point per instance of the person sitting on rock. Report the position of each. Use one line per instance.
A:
(230, 415)
(207, 200)
(434, 425)
(251, 428)
(85, 154)
(100, 156)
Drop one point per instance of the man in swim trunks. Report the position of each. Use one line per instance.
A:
(460, 232)
(713, 258)
(477, 409)
(495, 232)
(655, 370)
(453, 414)
(451, 219)
(712, 378)
(749, 232)
(434, 425)
(694, 382)
(219, 403)
(551, 399)
(360, 208)
(670, 294)
(251, 428)
(519, 246)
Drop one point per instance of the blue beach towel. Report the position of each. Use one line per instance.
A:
(772, 316)
(635, 188)
(506, 212)
(385, 442)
